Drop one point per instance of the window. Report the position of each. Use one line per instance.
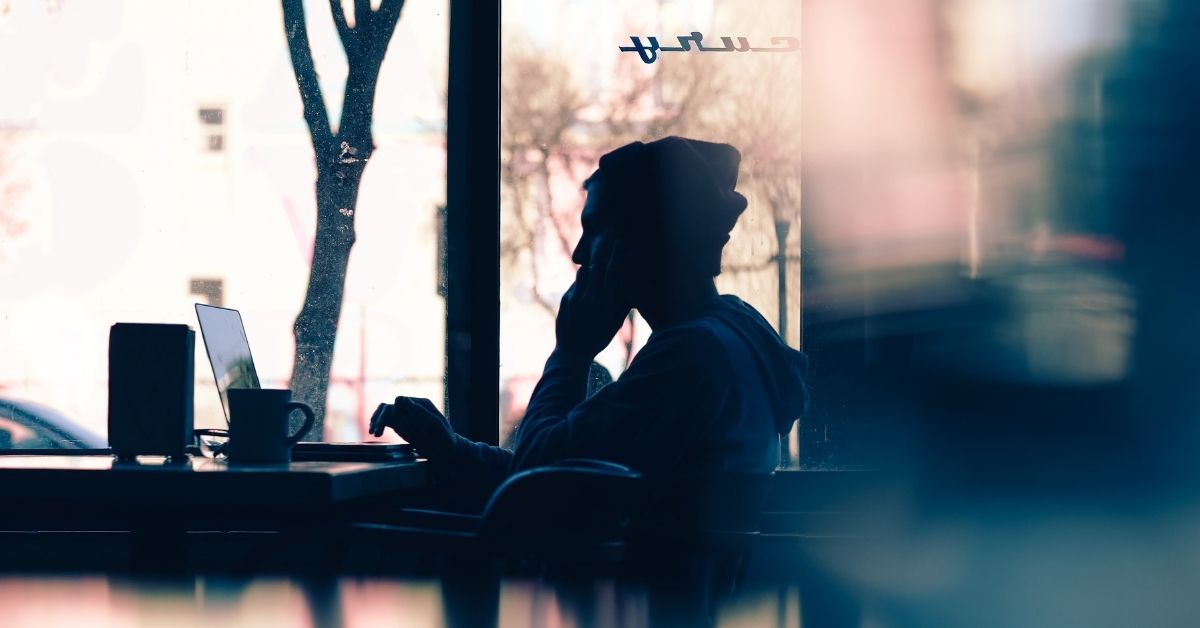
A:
(569, 94)
(952, 218)
(211, 290)
(953, 181)
(120, 220)
(212, 120)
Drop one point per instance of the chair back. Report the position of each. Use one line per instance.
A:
(573, 511)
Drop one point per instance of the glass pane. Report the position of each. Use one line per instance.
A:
(154, 154)
(964, 215)
(569, 95)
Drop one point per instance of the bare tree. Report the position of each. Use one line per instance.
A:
(549, 130)
(541, 106)
(759, 112)
(341, 156)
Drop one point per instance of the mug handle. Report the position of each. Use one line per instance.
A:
(309, 417)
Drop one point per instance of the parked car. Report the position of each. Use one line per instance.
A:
(29, 425)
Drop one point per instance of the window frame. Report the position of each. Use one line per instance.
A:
(472, 220)
(472, 223)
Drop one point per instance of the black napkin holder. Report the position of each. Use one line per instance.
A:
(151, 380)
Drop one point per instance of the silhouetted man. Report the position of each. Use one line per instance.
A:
(713, 389)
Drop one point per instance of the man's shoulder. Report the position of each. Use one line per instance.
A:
(695, 333)
(688, 346)
(702, 341)
(724, 314)
(686, 359)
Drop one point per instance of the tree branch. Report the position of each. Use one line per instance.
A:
(345, 33)
(548, 212)
(749, 267)
(358, 104)
(362, 16)
(386, 18)
(315, 115)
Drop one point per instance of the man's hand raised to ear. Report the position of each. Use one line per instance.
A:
(593, 308)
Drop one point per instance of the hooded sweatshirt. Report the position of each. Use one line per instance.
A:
(707, 396)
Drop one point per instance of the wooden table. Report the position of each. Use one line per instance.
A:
(201, 482)
(160, 503)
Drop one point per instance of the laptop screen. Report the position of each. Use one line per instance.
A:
(228, 350)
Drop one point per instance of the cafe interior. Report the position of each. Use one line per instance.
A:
(971, 216)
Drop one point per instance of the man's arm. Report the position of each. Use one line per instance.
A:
(472, 471)
(641, 419)
(480, 458)
(543, 436)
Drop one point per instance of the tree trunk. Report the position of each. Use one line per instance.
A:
(341, 158)
(316, 327)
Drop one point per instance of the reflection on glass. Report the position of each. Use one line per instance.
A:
(957, 223)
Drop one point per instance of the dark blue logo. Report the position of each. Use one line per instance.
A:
(649, 53)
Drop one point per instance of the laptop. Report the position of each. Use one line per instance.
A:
(233, 367)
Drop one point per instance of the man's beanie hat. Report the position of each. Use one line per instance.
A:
(677, 189)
